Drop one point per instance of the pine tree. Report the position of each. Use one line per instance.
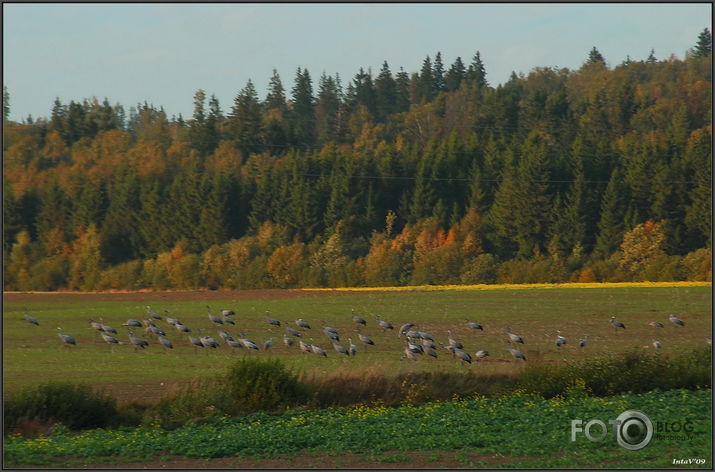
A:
(424, 85)
(5, 103)
(385, 93)
(704, 46)
(455, 75)
(438, 75)
(477, 72)
(275, 99)
(595, 56)
(327, 109)
(402, 91)
(245, 120)
(610, 225)
(303, 110)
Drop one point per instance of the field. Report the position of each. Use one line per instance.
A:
(475, 432)
(33, 354)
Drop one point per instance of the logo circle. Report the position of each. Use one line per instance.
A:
(634, 430)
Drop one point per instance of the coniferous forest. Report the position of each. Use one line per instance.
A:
(391, 177)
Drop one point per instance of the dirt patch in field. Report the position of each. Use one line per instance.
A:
(181, 295)
(312, 460)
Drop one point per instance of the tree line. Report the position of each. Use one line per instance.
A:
(599, 173)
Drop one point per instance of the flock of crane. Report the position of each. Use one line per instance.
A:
(417, 342)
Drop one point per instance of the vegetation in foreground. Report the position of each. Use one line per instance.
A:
(253, 385)
(522, 425)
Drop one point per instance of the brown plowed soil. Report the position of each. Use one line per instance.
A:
(179, 295)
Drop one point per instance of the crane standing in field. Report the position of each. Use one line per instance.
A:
(675, 320)
(31, 319)
(616, 324)
(582, 342)
(514, 338)
(474, 325)
(66, 338)
(358, 319)
(383, 324)
(560, 340)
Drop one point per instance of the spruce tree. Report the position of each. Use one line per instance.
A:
(704, 46)
(402, 91)
(476, 72)
(303, 110)
(245, 120)
(5, 103)
(385, 93)
(595, 56)
(611, 223)
(438, 75)
(455, 75)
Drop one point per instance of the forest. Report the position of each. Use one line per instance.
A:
(428, 177)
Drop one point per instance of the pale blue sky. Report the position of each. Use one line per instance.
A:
(163, 53)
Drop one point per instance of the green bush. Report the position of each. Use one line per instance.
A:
(634, 371)
(251, 385)
(75, 406)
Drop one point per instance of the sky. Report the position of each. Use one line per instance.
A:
(163, 53)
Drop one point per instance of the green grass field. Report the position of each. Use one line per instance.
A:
(35, 354)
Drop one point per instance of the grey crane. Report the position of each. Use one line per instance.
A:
(233, 343)
(474, 325)
(165, 342)
(182, 328)
(96, 325)
(560, 340)
(153, 329)
(304, 346)
(226, 318)
(358, 319)
(132, 322)
(409, 355)
(416, 348)
(137, 341)
(248, 344)
(383, 324)
(109, 339)
(273, 321)
(30, 319)
(332, 335)
(319, 351)
(353, 349)
(517, 353)
(657, 344)
(287, 341)
(293, 331)
(657, 324)
(453, 342)
(170, 320)
(463, 356)
(66, 338)
(481, 354)
(515, 338)
(340, 349)
(208, 341)
(195, 341)
(675, 320)
(213, 318)
(267, 345)
(616, 324)
(582, 342)
(365, 339)
(404, 328)
(412, 333)
(152, 313)
(428, 343)
(302, 323)
(425, 336)
(224, 335)
(431, 352)
(227, 312)
(106, 328)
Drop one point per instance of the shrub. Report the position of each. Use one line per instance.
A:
(634, 371)
(75, 406)
(251, 385)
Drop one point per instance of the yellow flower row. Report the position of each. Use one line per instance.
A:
(519, 286)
